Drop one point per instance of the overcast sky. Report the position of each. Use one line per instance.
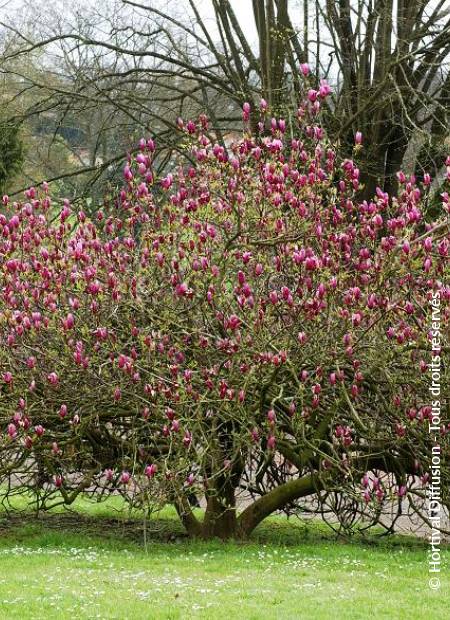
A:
(15, 10)
(244, 12)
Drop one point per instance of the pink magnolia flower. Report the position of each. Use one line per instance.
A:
(401, 491)
(125, 477)
(304, 68)
(58, 481)
(151, 470)
(7, 377)
(271, 442)
(39, 430)
(271, 416)
(53, 378)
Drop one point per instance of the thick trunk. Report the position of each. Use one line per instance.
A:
(221, 520)
(394, 161)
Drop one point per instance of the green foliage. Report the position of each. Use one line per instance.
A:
(11, 151)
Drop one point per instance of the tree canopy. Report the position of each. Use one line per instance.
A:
(243, 324)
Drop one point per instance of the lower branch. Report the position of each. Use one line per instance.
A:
(276, 500)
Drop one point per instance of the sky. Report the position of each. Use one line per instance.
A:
(244, 13)
(242, 8)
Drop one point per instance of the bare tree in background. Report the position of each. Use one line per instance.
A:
(130, 67)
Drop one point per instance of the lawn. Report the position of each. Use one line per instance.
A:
(93, 563)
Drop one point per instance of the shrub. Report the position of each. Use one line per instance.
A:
(244, 323)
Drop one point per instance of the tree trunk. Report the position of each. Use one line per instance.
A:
(394, 161)
(373, 167)
(221, 520)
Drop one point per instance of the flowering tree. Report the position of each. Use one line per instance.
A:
(241, 324)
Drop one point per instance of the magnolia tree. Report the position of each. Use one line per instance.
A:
(241, 326)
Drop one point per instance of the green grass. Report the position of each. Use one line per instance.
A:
(92, 563)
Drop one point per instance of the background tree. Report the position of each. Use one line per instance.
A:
(11, 152)
(147, 63)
